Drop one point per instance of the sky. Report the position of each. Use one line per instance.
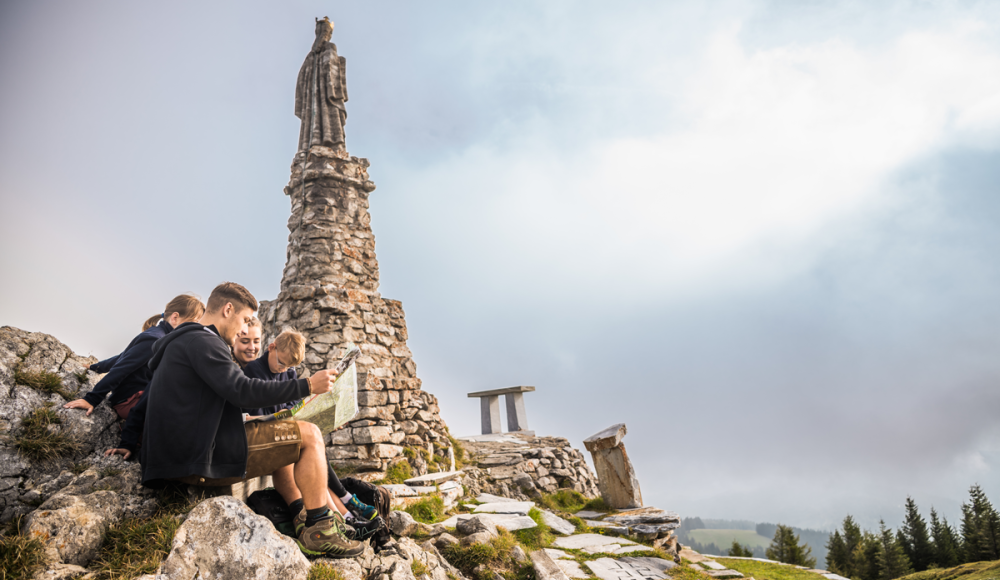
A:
(763, 235)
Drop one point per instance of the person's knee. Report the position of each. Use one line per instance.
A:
(311, 435)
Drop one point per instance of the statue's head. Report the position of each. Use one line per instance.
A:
(324, 31)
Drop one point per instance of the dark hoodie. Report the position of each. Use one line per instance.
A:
(194, 425)
(128, 372)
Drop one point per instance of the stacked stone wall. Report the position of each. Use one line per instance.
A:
(329, 293)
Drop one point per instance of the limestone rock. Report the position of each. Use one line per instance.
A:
(402, 523)
(558, 524)
(223, 540)
(73, 527)
(347, 568)
(545, 567)
(477, 524)
(616, 477)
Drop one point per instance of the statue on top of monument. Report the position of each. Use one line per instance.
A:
(320, 93)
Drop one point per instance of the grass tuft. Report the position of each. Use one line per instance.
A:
(82, 377)
(40, 442)
(42, 381)
(20, 555)
(135, 547)
(324, 571)
(765, 571)
(495, 556)
(687, 573)
(569, 501)
(397, 473)
(110, 471)
(428, 510)
(987, 570)
(459, 452)
(537, 537)
(418, 568)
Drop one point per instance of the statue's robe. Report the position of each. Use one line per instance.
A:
(320, 94)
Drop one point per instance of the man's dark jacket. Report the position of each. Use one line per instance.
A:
(128, 372)
(260, 369)
(194, 425)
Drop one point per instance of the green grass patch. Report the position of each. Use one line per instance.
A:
(324, 571)
(110, 471)
(537, 537)
(397, 473)
(42, 381)
(687, 573)
(20, 556)
(418, 568)
(37, 442)
(569, 501)
(581, 526)
(765, 571)
(429, 510)
(135, 547)
(81, 377)
(725, 538)
(973, 571)
(495, 556)
(459, 452)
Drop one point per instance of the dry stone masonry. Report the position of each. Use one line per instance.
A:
(329, 289)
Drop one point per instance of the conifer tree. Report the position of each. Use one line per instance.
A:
(864, 559)
(915, 539)
(892, 560)
(785, 547)
(739, 551)
(946, 548)
(840, 548)
(980, 527)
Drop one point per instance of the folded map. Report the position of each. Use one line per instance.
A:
(337, 406)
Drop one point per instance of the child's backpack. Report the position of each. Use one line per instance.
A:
(377, 497)
(269, 503)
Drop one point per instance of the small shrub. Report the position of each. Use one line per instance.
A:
(428, 510)
(418, 568)
(37, 441)
(42, 381)
(324, 571)
(398, 472)
(537, 537)
(135, 547)
(20, 555)
(598, 505)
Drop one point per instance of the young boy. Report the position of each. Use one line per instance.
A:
(278, 364)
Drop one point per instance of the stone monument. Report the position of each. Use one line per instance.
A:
(329, 289)
(615, 476)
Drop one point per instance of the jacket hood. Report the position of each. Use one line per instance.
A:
(161, 345)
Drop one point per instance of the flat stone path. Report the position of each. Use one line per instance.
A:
(626, 569)
(505, 507)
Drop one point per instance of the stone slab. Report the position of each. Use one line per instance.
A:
(557, 524)
(586, 514)
(490, 498)
(583, 541)
(452, 484)
(833, 576)
(402, 490)
(571, 568)
(558, 554)
(505, 507)
(610, 569)
(545, 567)
(510, 522)
(646, 515)
(691, 556)
(655, 563)
(504, 391)
(433, 478)
(724, 574)
(607, 438)
(713, 565)
(609, 528)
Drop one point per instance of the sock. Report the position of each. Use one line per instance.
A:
(313, 516)
(295, 507)
(349, 517)
(346, 498)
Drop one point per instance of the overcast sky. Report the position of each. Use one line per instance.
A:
(761, 234)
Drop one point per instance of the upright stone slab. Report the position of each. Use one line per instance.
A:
(329, 289)
(615, 476)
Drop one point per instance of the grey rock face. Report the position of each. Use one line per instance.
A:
(222, 539)
(616, 476)
(74, 526)
(476, 524)
(402, 523)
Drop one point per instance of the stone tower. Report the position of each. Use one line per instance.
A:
(329, 289)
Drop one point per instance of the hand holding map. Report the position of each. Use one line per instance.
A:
(338, 404)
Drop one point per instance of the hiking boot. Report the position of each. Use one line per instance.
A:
(361, 510)
(299, 522)
(326, 538)
(361, 531)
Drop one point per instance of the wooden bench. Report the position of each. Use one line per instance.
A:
(489, 402)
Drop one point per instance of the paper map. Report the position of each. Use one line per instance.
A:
(337, 406)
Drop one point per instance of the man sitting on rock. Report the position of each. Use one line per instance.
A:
(194, 430)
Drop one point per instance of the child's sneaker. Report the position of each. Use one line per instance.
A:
(362, 511)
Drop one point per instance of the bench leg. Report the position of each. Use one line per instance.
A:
(490, 408)
(517, 419)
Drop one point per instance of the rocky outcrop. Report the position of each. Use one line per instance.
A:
(522, 466)
(38, 374)
(72, 527)
(224, 540)
(617, 480)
